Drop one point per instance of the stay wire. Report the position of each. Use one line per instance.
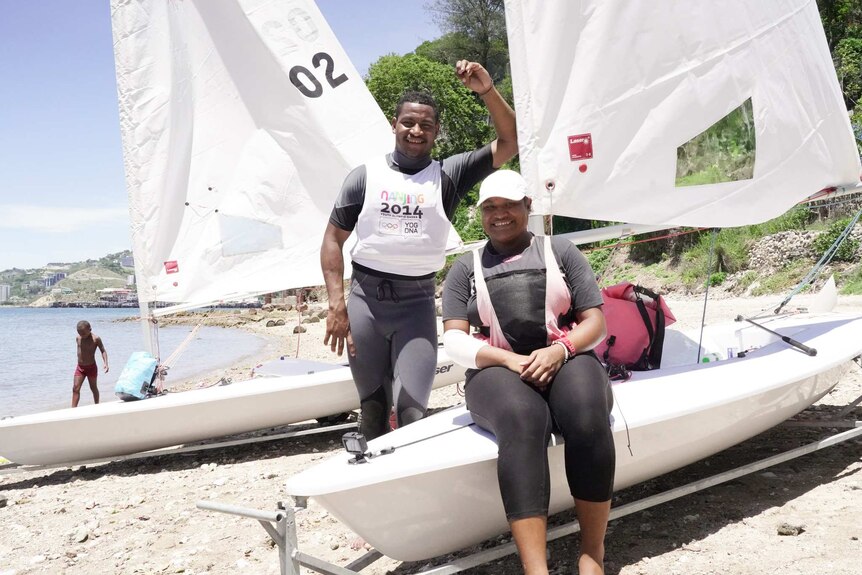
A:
(706, 290)
(827, 256)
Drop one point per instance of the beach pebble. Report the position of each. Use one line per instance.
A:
(81, 534)
(3, 500)
(788, 529)
(36, 559)
(300, 329)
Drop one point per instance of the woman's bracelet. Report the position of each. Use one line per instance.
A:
(570, 347)
(565, 349)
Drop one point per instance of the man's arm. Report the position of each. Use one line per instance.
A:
(332, 264)
(474, 76)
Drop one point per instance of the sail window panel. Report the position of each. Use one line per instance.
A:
(724, 152)
(241, 235)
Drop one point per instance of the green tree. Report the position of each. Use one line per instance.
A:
(841, 19)
(475, 30)
(848, 65)
(463, 118)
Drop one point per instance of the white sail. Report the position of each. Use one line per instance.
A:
(240, 119)
(607, 93)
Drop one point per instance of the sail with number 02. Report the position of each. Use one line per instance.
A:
(240, 120)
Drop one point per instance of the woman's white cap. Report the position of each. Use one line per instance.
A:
(503, 184)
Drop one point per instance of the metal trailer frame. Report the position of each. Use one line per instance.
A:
(281, 524)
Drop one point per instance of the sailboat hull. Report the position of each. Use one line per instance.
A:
(120, 428)
(441, 494)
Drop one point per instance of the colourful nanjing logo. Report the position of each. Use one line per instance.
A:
(402, 198)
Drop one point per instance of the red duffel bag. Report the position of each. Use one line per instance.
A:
(636, 318)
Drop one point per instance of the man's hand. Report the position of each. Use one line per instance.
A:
(474, 76)
(338, 331)
(106, 368)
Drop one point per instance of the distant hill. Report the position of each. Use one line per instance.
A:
(47, 285)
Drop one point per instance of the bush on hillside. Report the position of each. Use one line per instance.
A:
(846, 251)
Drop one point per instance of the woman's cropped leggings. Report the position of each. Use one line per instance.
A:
(578, 403)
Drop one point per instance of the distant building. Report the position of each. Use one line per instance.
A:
(130, 280)
(127, 262)
(5, 292)
(115, 295)
(54, 279)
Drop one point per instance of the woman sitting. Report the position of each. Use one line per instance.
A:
(533, 372)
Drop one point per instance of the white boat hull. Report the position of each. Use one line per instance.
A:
(120, 428)
(441, 494)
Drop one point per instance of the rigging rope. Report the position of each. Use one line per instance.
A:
(645, 240)
(169, 363)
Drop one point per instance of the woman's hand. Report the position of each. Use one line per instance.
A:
(542, 366)
(514, 361)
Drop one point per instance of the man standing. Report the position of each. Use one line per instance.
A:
(400, 207)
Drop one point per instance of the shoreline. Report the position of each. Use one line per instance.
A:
(140, 516)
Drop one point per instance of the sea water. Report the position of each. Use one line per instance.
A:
(38, 353)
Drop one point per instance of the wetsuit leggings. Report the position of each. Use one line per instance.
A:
(394, 328)
(579, 401)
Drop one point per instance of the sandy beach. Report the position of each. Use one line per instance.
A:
(139, 516)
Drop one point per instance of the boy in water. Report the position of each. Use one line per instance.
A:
(87, 343)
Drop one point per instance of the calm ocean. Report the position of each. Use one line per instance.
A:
(38, 357)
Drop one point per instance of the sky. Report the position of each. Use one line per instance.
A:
(62, 187)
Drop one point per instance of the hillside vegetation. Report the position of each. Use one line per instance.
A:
(768, 258)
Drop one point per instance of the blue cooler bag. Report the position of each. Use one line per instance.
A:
(136, 377)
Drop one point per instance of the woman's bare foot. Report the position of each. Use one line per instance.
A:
(359, 543)
(587, 565)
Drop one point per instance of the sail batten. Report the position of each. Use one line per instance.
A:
(240, 120)
(613, 98)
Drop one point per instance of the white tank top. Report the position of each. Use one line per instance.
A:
(402, 228)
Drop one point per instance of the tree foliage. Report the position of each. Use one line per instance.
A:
(463, 118)
(842, 22)
(841, 19)
(475, 30)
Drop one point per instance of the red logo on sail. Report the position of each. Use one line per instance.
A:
(172, 267)
(580, 147)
